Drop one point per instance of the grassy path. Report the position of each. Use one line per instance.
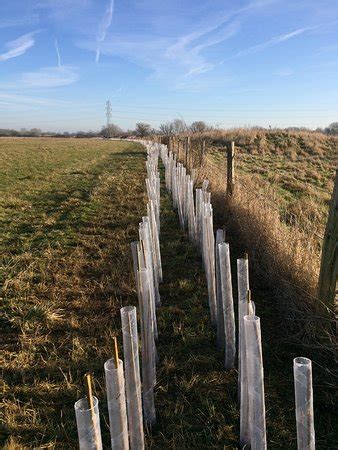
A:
(196, 398)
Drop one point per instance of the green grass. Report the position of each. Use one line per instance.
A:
(68, 219)
(195, 397)
(70, 209)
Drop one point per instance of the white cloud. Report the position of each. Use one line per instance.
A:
(274, 41)
(49, 77)
(286, 72)
(180, 61)
(103, 27)
(57, 52)
(18, 47)
(19, 99)
(28, 19)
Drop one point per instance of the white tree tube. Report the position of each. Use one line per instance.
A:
(116, 399)
(145, 240)
(254, 361)
(180, 191)
(199, 218)
(220, 236)
(210, 253)
(193, 176)
(155, 240)
(227, 304)
(243, 287)
(148, 350)
(245, 307)
(205, 185)
(135, 251)
(88, 424)
(132, 374)
(191, 212)
(302, 371)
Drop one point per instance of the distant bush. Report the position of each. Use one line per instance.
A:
(332, 129)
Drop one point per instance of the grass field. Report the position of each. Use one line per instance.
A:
(297, 169)
(70, 209)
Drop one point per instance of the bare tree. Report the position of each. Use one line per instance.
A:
(178, 126)
(167, 128)
(198, 127)
(332, 128)
(111, 131)
(143, 129)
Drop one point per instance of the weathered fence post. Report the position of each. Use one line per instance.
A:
(202, 152)
(187, 148)
(230, 168)
(329, 264)
(178, 148)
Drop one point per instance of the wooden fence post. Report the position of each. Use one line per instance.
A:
(230, 168)
(202, 152)
(187, 145)
(329, 264)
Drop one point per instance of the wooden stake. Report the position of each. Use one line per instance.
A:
(329, 261)
(89, 392)
(116, 353)
(187, 145)
(90, 401)
(202, 152)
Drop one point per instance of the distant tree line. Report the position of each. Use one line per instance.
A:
(176, 126)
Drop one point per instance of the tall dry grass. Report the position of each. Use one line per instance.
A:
(283, 240)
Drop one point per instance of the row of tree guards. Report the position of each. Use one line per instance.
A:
(194, 157)
(131, 402)
(192, 153)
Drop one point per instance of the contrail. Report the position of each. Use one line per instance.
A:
(58, 52)
(103, 27)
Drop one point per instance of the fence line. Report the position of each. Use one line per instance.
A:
(126, 409)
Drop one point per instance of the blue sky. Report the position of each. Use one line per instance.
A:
(230, 63)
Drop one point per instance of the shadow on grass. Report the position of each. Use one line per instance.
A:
(195, 396)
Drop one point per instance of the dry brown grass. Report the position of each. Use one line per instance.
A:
(277, 215)
(70, 213)
(278, 210)
(67, 272)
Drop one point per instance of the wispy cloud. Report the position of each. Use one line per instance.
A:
(57, 52)
(48, 77)
(286, 72)
(274, 41)
(103, 27)
(188, 49)
(19, 99)
(179, 60)
(18, 47)
(18, 21)
(327, 49)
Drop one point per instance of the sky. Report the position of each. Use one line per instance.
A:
(227, 62)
